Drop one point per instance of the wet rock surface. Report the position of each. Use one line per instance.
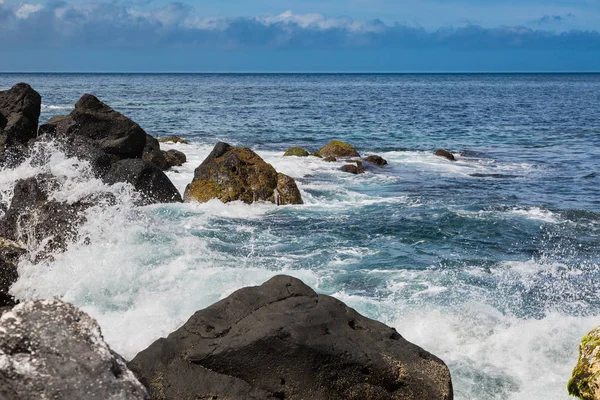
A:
(51, 350)
(281, 340)
(236, 173)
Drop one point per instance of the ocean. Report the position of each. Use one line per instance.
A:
(491, 262)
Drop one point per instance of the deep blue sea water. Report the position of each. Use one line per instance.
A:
(491, 262)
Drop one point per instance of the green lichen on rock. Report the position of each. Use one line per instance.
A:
(157, 389)
(296, 151)
(237, 173)
(287, 191)
(585, 380)
(337, 148)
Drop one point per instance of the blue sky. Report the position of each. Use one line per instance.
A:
(307, 35)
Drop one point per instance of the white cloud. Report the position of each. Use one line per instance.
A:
(26, 10)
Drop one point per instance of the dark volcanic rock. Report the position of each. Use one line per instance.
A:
(376, 160)
(445, 154)
(51, 350)
(175, 158)
(154, 154)
(33, 218)
(146, 178)
(338, 149)
(94, 123)
(355, 169)
(235, 173)
(20, 109)
(283, 341)
(10, 252)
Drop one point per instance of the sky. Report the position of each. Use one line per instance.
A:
(300, 36)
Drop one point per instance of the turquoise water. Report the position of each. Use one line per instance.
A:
(492, 262)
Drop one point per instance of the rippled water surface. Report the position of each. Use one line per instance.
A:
(491, 262)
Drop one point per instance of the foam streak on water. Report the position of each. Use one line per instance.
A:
(491, 262)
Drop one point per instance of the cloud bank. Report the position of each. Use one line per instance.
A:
(118, 26)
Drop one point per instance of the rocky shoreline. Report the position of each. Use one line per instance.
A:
(280, 340)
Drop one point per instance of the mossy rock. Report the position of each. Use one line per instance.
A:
(237, 173)
(585, 380)
(338, 149)
(316, 154)
(287, 191)
(172, 139)
(296, 151)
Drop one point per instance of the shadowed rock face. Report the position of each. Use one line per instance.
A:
(20, 109)
(94, 123)
(154, 154)
(237, 173)
(51, 350)
(283, 341)
(146, 178)
(10, 252)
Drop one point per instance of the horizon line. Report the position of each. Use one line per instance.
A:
(302, 72)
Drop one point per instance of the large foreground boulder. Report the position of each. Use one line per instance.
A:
(51, 350)
(283, 341)
(10, 252)
(146, 178)
(237, 173)
(20, 109)
(338, 149)
(93, 122)
(585, 382)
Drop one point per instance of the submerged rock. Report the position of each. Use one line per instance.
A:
(356, 168)
(330, 159)
(296, 151)
(236, 173)
(376, 160)
(338, 149)
(175, 158)
(10, 252)
(172, 139)
(52, 350)
(445, 154)
(585, 382)
(146, 178)
(281, 340)
(20, 109)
